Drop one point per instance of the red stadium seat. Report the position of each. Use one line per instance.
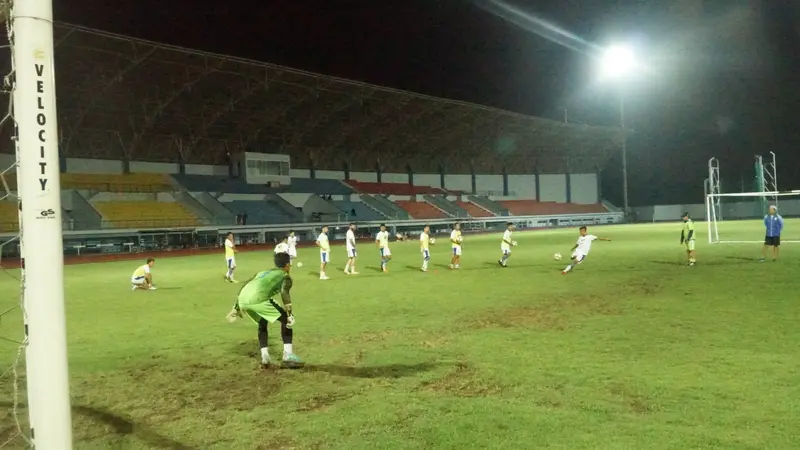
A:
(365, 187)
(421, 210)
(474, 210)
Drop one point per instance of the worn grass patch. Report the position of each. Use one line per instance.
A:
(463, 381)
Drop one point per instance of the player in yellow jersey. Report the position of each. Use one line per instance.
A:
(687, 238)
(230, 259)
(424, 242)
(142, 278)
(456, 242)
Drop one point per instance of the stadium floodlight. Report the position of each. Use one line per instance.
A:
(617, 63)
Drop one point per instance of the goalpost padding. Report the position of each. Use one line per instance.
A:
(38, 183)
(738, 217)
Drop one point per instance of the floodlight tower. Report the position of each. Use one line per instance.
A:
(617, 64)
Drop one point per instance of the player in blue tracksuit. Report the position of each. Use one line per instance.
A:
(773, 222)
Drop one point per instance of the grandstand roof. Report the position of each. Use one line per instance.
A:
(120, 97)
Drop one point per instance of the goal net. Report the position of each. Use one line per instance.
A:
(740, 217)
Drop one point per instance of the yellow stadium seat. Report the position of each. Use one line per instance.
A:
(145, 214)
(132, 182)
(9, 218)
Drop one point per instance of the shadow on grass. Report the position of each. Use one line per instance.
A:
(172, 288)
(122, 426)
(389, 371)
(742, 258)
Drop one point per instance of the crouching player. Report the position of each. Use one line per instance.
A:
(142, 278)
(256, 301)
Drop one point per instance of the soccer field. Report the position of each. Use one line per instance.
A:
(632, 350)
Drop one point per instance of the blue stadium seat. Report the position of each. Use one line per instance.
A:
(259, 212)
(208, 183)
(363, 212)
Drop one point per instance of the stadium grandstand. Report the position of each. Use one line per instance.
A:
(150, 133)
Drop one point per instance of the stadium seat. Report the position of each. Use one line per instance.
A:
(421, 210)
(145, 214)
(9, 217)
(474, 210)
(362, 211)
(130, 183)
(534, 208)
(259, 211)
(391, 188)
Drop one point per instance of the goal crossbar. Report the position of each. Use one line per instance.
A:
(756, 194)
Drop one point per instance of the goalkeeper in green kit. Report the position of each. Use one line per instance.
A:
(256, 301)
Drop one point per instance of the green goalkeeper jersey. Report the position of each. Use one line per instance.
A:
(263, 287)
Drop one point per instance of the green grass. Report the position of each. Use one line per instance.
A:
(633, 350)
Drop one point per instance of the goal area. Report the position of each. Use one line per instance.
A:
(740, 217)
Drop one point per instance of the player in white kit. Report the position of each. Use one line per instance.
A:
(581, 249)
(292, 242)
(350, 243)
(382, 241)
(424, 242)
(324, 252)
(506, 244)
(456, 242)
(283, 246)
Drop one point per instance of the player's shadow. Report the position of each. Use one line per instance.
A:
(120, 426)
(173, 288)
(391, 371)
(314, 274)
(743, 259)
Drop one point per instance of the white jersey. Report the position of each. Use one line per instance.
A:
(383, 239)
(351, 240)
(291, 241)
(282, 247)
(324, 244)
(585, 244)
(506, 239)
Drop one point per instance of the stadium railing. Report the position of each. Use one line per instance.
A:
(173, 236)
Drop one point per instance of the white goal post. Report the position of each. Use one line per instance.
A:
(714, 212)
(750, 205)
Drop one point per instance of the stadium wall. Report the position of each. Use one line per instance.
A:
(575, 188)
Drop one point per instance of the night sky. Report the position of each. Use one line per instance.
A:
(723, 79)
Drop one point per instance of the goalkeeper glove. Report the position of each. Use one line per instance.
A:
(290, 321)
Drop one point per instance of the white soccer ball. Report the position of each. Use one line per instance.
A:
(557, 256)
(299, 265)
(514, 243)
(433, 241)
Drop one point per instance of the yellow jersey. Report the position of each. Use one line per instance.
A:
(141, 271)
(424, 241)
(229, 246)
(455, 238)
